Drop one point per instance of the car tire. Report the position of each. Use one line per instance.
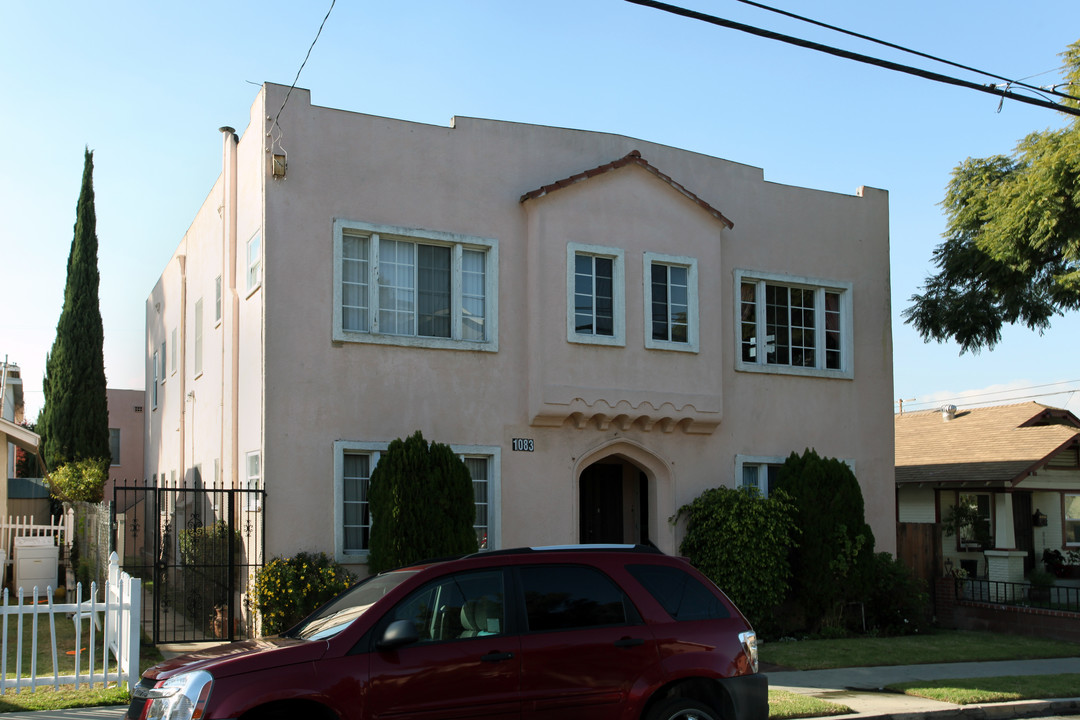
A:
(681, 709)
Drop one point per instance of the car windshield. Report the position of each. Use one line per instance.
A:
(335, 616)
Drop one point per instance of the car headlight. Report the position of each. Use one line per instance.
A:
(181, 697)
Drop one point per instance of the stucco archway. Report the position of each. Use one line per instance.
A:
(624, 495)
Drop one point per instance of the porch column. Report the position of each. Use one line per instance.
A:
(1004, 536)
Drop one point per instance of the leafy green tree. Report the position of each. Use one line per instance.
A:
(741, 541)
(79, 480)
(1012, 243)
(422, 504)
(74, 423)
(832, 563)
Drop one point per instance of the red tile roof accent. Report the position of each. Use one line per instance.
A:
(631, 158)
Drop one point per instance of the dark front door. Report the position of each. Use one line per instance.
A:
(1022, 529)
(602, 504)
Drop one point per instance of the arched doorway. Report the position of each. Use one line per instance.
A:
(613, 503)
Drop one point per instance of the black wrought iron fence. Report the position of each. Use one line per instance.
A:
(196, 550)
(1064, 598)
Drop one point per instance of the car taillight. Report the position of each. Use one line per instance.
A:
(749, 643)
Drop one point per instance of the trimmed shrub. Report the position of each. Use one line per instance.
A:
(422, 505)
(833, 562)
(897, 602)
(741, 541)
(286, 590)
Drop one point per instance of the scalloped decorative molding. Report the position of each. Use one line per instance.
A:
(604, 408)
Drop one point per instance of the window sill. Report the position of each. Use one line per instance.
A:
(741, 366)
(343, 336)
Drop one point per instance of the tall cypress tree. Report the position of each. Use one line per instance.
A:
(74, 422)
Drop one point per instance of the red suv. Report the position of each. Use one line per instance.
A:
(589, 632)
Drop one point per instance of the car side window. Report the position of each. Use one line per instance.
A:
(565, 597)
(680, 593)
(457, 606)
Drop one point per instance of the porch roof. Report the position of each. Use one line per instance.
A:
(989, 447)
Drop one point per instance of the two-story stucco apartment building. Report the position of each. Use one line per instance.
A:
(603, 327)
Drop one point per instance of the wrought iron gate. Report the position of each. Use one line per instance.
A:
(196, 551)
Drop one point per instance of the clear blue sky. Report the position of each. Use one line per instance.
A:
(146, 86)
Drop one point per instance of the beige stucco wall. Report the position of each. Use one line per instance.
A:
(126, 412)
(299, 391)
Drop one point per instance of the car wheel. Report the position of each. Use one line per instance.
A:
(681, 709)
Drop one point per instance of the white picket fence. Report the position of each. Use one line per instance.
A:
(112, 630)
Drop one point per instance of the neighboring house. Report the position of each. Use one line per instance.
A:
(1017, 467)
(126, 428)
(602, 327)
(13, 436)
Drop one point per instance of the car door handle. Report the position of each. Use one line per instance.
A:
(497, 656)
(629, 642)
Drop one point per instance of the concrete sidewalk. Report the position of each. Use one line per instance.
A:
(861, 689)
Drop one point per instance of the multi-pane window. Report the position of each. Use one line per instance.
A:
(254, 470)
(671, 302)
(154, 381)
(198, 337)
(478, 471)
(355, 463)
(794, 325)
(1072, 519)
(254, 262)
(594, 300)
(114, 446)
(172, 359)
(595, 295)
(164, 360)
(356, 522)
(424, 288)
(759, 477)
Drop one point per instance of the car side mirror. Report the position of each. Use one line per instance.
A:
(397, 634)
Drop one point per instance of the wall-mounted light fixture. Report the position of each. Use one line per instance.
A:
(278, 163)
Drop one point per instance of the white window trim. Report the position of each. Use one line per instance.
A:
(847, 355)
(691, 345)
(741, 460)
(455, 241)
(618, 280)
(375, 449)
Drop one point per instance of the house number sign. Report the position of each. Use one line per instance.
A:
(521, 444)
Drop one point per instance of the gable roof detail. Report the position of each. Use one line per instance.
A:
(631, 158)
(991, 446)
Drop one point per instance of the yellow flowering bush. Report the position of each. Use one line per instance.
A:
(286, 590)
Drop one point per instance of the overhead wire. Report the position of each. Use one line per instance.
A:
(894, 46)
(991, 89)
(274, 124)
(992, 395)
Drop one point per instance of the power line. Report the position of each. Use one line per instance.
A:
(992, 395)
(848, 55)
(894, 46)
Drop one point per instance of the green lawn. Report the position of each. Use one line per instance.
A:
(994, 689)
(938, 647)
